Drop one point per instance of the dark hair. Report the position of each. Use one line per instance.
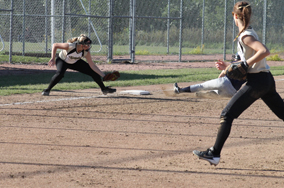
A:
(243, 10)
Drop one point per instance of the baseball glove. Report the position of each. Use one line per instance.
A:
(111, 76)
(237, 71)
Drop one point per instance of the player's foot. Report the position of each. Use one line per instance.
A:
(208, 156)
(45, 92)
(108, 90)
(176, 88)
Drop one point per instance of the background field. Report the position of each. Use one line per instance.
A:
(80, 138)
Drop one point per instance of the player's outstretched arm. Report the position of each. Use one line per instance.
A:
(93, 65)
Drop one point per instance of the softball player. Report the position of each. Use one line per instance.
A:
(260, 82)
(222, 86)
(70, 58)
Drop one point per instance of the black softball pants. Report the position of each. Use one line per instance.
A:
(80, 66)
(259, 85)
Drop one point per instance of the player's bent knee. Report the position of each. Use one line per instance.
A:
(59, 75)
(226, 119)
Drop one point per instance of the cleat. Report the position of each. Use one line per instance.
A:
(176, 88)
(45, 92)
(108, 90)
(208, 156)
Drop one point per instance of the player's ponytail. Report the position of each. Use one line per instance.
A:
(243, 10)
(72, 40)
(79, 39)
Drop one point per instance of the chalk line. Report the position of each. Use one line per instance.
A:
(52, 100)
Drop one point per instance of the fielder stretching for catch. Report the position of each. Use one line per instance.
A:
(222, 86)
(70, 57)
(260, 82)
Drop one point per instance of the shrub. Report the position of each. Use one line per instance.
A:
(274, 57)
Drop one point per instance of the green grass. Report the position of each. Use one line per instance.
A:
(24, 59)
(35, 83)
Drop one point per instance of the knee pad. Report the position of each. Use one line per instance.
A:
(226, 119)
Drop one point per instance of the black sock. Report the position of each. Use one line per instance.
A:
(186, 89)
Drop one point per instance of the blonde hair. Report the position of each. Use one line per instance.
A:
(243, 10)
(81, 38)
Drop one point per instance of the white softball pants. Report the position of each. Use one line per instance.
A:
(222, 86)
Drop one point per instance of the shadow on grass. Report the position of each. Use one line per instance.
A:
(45, 77)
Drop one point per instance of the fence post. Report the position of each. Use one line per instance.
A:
(130, 25)
(133, 31)
(63, 21)
(89, 19)
(168, 28)
(264, 21)
(202, 30)
(180, 31)
(110, 32)
(11, 32)
(52, 22)
(24, 26)
(225, 30)
(45, 31)
(233, 35)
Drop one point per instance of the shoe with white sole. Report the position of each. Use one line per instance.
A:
(208, 156)
(45, 92)
(176, 88)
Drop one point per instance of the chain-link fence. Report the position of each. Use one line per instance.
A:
(181, 30)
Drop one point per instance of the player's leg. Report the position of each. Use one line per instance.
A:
(214, 84)
(228, 89)
(258, 85)
(218, 87)
(83, 67)
(239, 102)
(61, 69)
(181, 90)
(274, 101)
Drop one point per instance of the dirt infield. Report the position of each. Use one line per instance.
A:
(85, 139)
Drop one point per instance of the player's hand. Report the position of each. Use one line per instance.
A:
(51, 62)
(221, 65)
